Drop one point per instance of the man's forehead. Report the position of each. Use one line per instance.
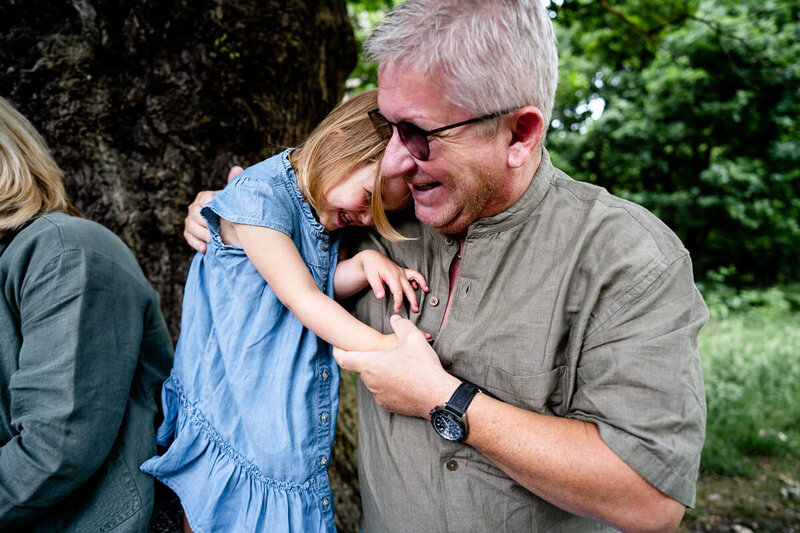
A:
(406, 93)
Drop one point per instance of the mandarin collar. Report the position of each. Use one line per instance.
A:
(522, 209)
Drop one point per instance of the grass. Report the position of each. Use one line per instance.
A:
(750, 471)
(751, 365)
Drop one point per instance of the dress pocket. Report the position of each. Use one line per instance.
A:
(541, 392)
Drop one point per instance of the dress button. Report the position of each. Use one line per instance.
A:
(448, 241)
(452, 465)
(324, 417)
(325, 374)
(325, 245)
(325, 502)
(433, 300)
(323, 462)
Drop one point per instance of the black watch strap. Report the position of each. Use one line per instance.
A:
(462, 397)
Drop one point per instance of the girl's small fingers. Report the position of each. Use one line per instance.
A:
(397, 294)
(408, 290)
(417, 277)
(376, 285)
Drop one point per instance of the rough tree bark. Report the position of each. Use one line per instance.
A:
(146, 102)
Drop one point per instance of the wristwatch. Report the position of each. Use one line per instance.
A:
(449, 420)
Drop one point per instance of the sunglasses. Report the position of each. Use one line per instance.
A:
(415, 138)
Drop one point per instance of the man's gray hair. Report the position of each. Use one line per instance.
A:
(486, 55)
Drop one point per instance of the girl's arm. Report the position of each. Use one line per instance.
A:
(275, 256)
(374, 269)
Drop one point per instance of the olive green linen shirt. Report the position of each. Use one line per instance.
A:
(83, 351)
(571, 303)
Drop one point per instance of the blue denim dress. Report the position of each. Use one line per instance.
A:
(250, 407)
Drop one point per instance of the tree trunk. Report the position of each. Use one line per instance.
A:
(146, 102)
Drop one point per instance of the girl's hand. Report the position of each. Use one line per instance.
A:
(379, 270)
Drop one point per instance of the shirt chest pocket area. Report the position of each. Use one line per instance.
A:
(539, 392)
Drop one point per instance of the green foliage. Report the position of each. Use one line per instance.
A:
(751, 366)
(365, 16)
(699, 123)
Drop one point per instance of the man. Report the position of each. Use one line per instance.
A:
(572, 312)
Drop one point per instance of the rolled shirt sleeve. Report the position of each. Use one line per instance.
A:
(81, 329)
(639, 379)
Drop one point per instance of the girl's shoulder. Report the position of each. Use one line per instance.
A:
(275, 171)
(264, 194)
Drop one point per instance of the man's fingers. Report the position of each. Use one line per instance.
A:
(352, 361)
(202, 198)
(197, 244)
(234, 171)
(197, 235)
(403, 328)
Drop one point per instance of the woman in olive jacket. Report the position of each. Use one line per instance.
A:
(83, 351)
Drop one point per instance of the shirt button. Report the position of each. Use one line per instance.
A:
(452, 465)
(324, 287)
(448, 241)
(323, 462)
(325, 502)
(325, 245)
(433, 300)
(324, 417)
(325, 374)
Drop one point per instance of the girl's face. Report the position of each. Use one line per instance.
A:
(348, 203)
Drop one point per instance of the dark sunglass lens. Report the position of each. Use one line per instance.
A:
(415, 140)
(382, 126)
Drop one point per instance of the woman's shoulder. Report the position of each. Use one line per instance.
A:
(55, 234)
(70, 232)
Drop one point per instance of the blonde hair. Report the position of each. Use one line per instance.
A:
(342, 143)
(30, 180)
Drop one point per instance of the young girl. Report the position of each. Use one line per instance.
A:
(250, 406)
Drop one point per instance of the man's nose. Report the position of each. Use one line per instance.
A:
(397, 160)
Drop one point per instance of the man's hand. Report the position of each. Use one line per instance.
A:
(195, 230)
(407, 379)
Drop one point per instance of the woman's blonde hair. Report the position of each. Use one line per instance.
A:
(342, 143)
(31, 184)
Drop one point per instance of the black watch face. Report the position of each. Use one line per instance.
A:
(448, 426)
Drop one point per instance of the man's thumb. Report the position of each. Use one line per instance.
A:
(348, 360)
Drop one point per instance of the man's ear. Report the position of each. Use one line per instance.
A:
(527, 128)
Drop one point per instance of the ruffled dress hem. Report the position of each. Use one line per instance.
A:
(219, 487)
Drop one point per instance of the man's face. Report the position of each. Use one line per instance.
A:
(462, 179)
